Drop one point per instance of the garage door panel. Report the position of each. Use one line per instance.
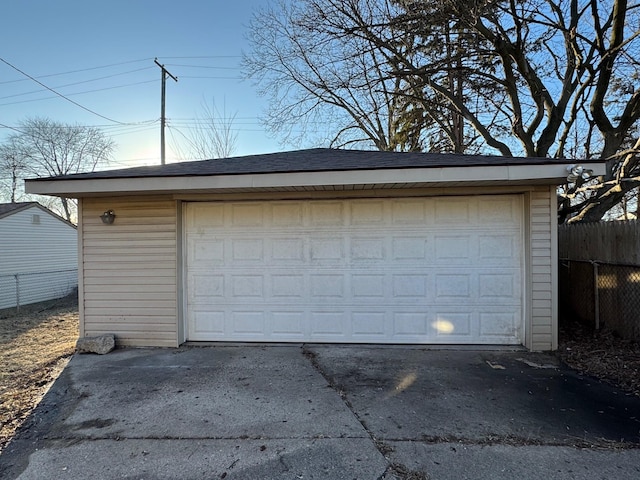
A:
(327, 251)
(453, 249)
(247, 250)
(495, 326)
(414, 212)
(208, 323)
(454, 326)
(328, 325)
(250, 324)
(408, 287)
(327, 286)
(288, 214)
(287, 250)
(369, 326)
(410, 324)
(368, 249)
(498, 211)
(327, 214)
(368, 212)
(247, 215)
(289, 324)
(368, 287)
(287, 286)
(213, 212)
(409, 249)
(246, 287)
(498, 287)
(453, 287)
(418, 270)
(206, 250)
(497, 249)
(453, 211)
(205, 288)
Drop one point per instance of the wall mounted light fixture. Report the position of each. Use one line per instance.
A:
(108, 217)
(578, 171)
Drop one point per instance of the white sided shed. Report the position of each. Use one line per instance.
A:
(38, 254)
(321, 245)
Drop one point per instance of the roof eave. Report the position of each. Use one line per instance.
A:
(435, 176)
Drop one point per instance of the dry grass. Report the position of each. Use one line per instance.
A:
(34, 347)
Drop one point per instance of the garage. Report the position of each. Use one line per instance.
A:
(404, 270)
(321, 245)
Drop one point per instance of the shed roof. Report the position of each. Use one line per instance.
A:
(11, 208)
(312, 168)
(7, 209)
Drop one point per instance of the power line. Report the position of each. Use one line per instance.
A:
(207, 56)
(212, 78)
(110, 127)
(81, 93)
(81, 70)
(59, 94)
(77, 83)
(118, 64)
(201, 66)
(2, 125)
(135, 128)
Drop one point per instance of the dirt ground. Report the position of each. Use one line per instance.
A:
(36, 344)
(601, 354)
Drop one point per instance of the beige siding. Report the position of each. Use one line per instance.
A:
(129, 279)
(542, 305)
(129, 282)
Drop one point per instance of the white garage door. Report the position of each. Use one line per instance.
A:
(401, 270)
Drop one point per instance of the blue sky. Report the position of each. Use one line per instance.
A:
(100, 55)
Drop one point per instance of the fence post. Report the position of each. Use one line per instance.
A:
(17, 292)
(596, 296)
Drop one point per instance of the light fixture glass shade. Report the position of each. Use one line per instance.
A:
(108, 217)
(577, 170)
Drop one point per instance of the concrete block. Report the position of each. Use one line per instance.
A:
(100, 344)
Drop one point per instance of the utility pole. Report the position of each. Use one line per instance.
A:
(165, 72)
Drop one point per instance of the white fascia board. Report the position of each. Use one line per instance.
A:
(553, 174)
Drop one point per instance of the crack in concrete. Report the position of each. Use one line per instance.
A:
(393, 470)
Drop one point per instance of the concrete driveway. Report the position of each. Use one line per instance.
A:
(326, 412)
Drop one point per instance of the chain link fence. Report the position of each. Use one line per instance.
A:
(602, 295)
(25, 288)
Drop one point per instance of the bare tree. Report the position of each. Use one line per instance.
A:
(12, 169)
(535, 78)
(213, 135)
(45, 148)
(323, 81)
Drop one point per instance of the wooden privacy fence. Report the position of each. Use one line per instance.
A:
(599, 277)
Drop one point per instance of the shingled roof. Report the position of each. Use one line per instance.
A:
(9, 208)
(312, 160)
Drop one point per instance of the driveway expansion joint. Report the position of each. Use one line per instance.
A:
(393, 470)
(203, 438)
